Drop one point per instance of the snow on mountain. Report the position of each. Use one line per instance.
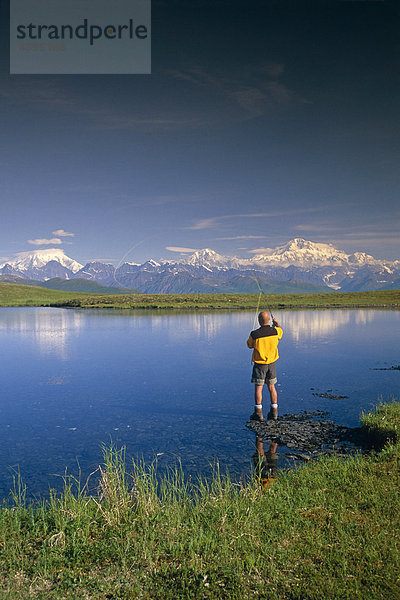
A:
(302, 253)
(150, 264)
(361, 259)
(103, 273)
(206, 258)
(36, 259)
(329, 280)
(297, 262)
(297, 252)
(209, 259)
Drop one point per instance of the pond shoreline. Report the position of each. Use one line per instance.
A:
(217, 308)
(329, 529)
(22, 295)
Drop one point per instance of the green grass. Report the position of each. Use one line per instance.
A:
(330, 530)
(23, 295)
(20, 295)
(383, 424)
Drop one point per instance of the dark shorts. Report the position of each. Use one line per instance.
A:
(264, 374)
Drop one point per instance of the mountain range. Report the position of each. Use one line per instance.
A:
(297, 266)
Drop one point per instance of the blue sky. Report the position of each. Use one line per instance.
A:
(261, 121)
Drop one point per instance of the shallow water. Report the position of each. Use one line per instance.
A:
(172, 384)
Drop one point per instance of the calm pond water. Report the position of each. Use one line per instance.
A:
(172, 384)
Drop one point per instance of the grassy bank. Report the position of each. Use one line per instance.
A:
(25, 295)
(327, 531)
(383, 425)
(19, 295)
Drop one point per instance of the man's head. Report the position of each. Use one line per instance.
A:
(263, 318)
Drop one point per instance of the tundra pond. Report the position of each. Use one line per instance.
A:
(173, 385)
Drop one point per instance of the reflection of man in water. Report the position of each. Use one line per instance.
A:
(264, 342)
(266, 463)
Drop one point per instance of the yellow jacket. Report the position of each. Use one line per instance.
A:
(264, 342)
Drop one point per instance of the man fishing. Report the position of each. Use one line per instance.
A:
(264, 342)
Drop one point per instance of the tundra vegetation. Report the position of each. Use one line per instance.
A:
(327, 530)
(22, 295)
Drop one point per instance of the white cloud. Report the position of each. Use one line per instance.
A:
(179, 249)
(261, 251)
(243, 237)
(351, 232)
(205, 223)
(211, 222)
(252, 89)
(107, 116)
(44, 241)
(105, 260)
(62, 233)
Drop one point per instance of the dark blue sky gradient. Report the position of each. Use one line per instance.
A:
(289, 110)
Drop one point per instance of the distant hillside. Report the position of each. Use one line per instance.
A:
(68, 285)
(17, 279)
(179, 283)
(82, 285)
(246, 284)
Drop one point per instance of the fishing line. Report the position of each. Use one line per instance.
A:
(126, 254)
(257, 309)
(149, 237)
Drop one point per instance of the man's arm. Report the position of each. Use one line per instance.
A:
(250, 342)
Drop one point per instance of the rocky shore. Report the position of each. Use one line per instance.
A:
(310, 433)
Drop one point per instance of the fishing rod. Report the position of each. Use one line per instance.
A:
(259, 300)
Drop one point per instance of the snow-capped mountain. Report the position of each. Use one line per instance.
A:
(299, 265)
(302, 253)
(148, 265)
(207, 258)
(97, 271)
(297, 252)
(37, 259)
